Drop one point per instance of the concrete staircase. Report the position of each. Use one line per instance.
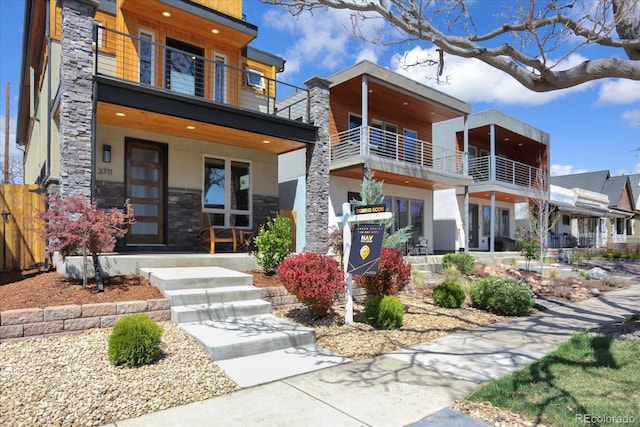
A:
(223, 311)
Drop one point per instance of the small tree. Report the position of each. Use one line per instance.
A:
(75, 226)
(371, 194)
(528, 244)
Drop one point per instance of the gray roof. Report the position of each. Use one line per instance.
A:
(634, 180)
(592, 181)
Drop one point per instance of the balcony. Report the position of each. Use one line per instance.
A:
(369, 142)
(180, 71)
(506, 171)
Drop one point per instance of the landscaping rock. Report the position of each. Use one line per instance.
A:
(597, 273)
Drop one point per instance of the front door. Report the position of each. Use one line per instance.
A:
(145, 182)
(473, 226)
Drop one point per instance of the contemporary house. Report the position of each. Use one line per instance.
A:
(508, 161)
(162, 102)
(381, 121)
(617, 226)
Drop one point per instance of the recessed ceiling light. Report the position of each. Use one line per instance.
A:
(405, 103)
(506, 139)
(520, 144)
(120, 114)
(370, 90)
(190, 127)
(266, 141)
(406, 182)
(166, 14)
(215, 31)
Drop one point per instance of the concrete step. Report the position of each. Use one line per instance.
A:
(246, 336)
(211, 296)
(274, 365)
(175, 278)
(219, 311)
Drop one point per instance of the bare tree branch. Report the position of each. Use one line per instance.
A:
(522, 39)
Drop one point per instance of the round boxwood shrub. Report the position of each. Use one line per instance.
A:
(384, 312)
(135, 341)
(448, 295)
(502, 295)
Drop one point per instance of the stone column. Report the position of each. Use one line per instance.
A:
(76, 103)
(318, 161)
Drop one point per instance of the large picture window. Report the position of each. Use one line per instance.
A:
(227, 192)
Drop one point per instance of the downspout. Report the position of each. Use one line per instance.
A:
(465, 170)
(364, 130)
(94, 116)
(47, 173)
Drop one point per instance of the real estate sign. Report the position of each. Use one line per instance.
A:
(366, 245)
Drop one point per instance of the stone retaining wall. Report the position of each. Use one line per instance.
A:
(38, 322)
(281, 299)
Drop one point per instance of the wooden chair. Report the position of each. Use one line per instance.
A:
(210, 236)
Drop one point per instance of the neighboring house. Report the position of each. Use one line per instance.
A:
(509, 163)
(621, 208)
(382, 121)
(162, 102)
(579, 218)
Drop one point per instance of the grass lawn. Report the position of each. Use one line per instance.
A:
(589, 380)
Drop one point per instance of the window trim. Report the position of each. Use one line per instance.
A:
(223, 62)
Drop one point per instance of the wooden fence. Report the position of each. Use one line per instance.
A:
(21, 247)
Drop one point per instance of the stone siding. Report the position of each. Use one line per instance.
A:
(38, 322)
(183, 207)
(318, 163)
(76, 89)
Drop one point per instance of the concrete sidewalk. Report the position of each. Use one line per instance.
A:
(413, 386)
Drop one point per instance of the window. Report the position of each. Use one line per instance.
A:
(355, 123)
(220, 79)
(146, 57)
(410, 145)
(384, 138)
(486, 220)
(255, 79)
(227, 192)
(566, 220)
(401, 213)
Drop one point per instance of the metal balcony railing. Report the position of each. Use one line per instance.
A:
(506, 170)
(142, 61)
(370, 141)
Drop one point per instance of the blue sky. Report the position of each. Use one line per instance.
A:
(594, 126)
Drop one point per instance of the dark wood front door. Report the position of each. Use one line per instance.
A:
(145, 176)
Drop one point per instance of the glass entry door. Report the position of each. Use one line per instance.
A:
(145, 186)
(473, 226)
(184, 68)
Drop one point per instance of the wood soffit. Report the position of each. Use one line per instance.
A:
(176, 126)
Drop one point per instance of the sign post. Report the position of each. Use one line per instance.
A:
(369, 245)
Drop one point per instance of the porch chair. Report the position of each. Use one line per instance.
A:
(210, 236)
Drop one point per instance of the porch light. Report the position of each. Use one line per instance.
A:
(120, 114)
(266, 141)
(106, 153)
(215, 31)
(191, 127)
(166, 14)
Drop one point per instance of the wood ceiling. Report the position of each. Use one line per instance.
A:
(110, 114)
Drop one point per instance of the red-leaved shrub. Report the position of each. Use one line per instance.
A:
(315, 279)
(393, 274)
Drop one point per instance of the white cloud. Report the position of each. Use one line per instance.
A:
(322, 37)
(474, 81)
(368, 55)
(619, 91)
(557, 170)
(14, 151)
(632, 117)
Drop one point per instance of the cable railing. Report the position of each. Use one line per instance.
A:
(182, 69)
(506, 170)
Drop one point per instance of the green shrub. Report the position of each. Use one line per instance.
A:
(448, 295)
(315, 279)
(134, 341)
(273, 243)
(393, 274)
(502, 295)
(384, 312)
(465, 263)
